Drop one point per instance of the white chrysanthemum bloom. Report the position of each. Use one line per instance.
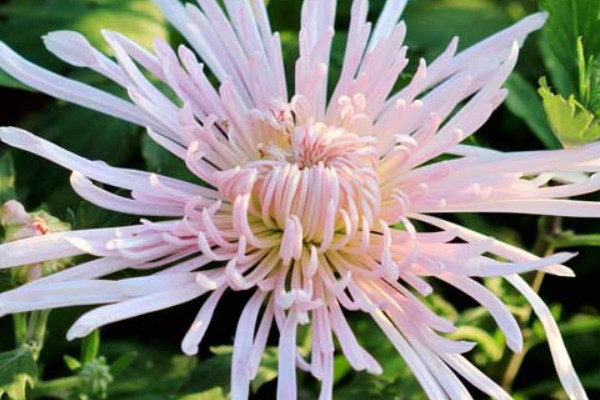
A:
(297, 196)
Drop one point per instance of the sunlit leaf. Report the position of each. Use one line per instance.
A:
(211, 394)
(490, 346)
(571, 122)
(140, 20)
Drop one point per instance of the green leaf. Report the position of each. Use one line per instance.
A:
(490, 346)
(580, 323)
(433, 23)
(82, 131)
(18, 371)
(140, 20)
(365, 386)
(568, 21)
(163, 162)
(571, 122)
(7, 178)
(72, 363)
(216, 371)
(121, 363)
(211, 394)
(153, 371)
(268, 370)
(524, 102)
(594, 83)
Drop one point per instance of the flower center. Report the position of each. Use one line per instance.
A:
(314, 184)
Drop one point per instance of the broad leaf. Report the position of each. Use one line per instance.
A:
(571, 122)
(140, 20)
(18, 371)
(569, 20)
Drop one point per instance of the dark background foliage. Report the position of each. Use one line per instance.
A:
(146, 349)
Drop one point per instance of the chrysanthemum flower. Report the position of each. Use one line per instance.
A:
(307, 200)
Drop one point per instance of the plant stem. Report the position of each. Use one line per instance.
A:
(36, 330)
(544, 246)
(568, 239)
(55, 387)
(20, 325)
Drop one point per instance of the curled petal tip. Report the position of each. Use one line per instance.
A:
(189, 349)
(71, 47)
(17, 137)
(515, 344)
(78, 331)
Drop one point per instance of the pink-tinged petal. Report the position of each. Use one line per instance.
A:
(387, 21)
(286, 381)
(316, 38)
(196, 332)
(96, 170)
(562, 361)
(498, 248)
(448, 380)
(73, 48)
(89, 270)
(68, 89)
(242, 347)
(494, 44)
(564, 208)
(102, 198)
(177, 14)
(326, 392)
(505, 320)
(474, 376)
(260, 341)
(134, 307)
(86, 292)
(429, 384)
(57, 245)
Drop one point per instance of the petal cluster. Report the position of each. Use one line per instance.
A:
(309, 200)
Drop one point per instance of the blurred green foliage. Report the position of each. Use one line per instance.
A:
(124, 367)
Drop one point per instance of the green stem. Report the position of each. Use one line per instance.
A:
(36, 331)
(20, 325)
(55, 388)
(569, 239)
(544, 246)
